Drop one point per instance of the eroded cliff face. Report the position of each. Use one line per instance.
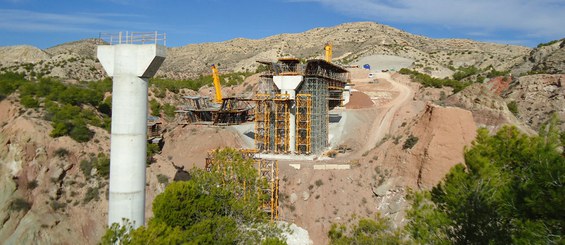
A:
(45, 198)
(489, 109)
(538, 98)
(49, 195)
(443, 133)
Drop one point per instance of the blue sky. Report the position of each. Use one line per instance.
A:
(45, 23)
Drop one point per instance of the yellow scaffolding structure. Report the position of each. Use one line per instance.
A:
(267, 186)
(262, 122)
(269, 171)
(303, 123)
(282, 120)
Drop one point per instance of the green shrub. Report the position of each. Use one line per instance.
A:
(155, 107)
(169, 110)
(163, 179)
(61, 152)
(513, 107)
(152, 149)
(91, 194)
(86, 167)
(549, 43)
(20, 204)
(56, 205)
(81, 133)
(464, 72)
(210, 208)
(29, 102)
(32, 184)
(410, 142)
(103, 165)
(319, 183)
(428, 81)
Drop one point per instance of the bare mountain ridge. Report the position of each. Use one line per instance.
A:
(351, 41)
(76, 60)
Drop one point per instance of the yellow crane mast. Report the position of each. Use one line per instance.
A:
(217, 85)
(328, 49)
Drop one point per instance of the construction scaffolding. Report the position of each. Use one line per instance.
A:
(303, 123)
(268, 171)
(320, 90)
(233, 111)
(198, 110)
(263, 105)
(319, 111)
(282, 111)
(267, 186)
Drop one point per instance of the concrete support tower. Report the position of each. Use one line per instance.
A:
(130, 66)
(288, 85)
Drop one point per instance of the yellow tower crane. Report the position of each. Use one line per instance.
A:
(328, 49)
(217, 85)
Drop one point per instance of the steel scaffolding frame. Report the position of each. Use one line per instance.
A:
(263, 122)
(303, 123)
(282, 111)
(318, 90)
(267, 186)
(268, 171)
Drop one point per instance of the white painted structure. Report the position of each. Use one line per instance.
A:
(288, 85)
(130, 66)
(346, 94)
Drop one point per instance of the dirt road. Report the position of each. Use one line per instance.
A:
(383, 121)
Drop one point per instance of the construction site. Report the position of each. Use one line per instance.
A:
(310, 128)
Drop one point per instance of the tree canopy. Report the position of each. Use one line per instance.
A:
(510, 190)
(210, 208)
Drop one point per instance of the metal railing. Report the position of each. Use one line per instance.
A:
(133, 38)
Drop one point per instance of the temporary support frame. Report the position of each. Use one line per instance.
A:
(263, 122)
(268, 170)
(282, 111)
(303, 123)
(268, 184)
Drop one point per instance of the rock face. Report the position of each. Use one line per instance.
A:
(21, 54)
(538, 97)
(74, 61)
(489, 110)
(443, 133)
(553, 62)
(548, 59)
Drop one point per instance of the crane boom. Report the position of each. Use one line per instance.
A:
(217, 85)
(328, 49)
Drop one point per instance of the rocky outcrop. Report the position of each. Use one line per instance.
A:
(21, 54)
(440, 135)
(84, 48)
(549, 59)
(538, 97)
(489, 110)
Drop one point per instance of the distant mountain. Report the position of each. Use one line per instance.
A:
(351, 41)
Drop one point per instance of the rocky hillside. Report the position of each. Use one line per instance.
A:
(70, 61)
(538, 97)
(549, 59)
(352, 41)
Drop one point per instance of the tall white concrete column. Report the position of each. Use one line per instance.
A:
(130, 66)
(288, 85)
